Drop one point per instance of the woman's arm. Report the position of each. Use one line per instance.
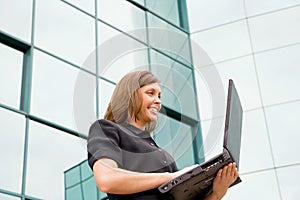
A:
(223, 180)
(111, 179)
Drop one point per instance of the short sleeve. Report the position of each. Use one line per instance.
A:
(103, 142)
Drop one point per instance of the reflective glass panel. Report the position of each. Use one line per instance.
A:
(243, 73)
(132, 56)
(15, 18)
(72, 176)
(165, 9)
(132, 17)
(176, 138)
(224, 42)
(275, 29)
(206, 14)
(278, 72)
(288, 178)
(254, 132)
(50, 153)
(11, 62)
(89, 188)
(283, 124)
(105, 92)
(86, 171)
(11, 150)
(62, 94)
(168, 39)
(86, 5)
(176, 82)
(8, 197)
(74, 192)
(263, 183)
(65, 32)
(212, 136)
(255, 7)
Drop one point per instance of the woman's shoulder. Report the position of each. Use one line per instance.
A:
(103, 123)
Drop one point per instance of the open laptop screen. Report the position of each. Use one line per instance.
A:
(233, 123)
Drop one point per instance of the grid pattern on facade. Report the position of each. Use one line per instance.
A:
(45, 46)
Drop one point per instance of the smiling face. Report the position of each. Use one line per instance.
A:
(149, 96)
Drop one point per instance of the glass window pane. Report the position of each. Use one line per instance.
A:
(283, 124)
(168, 39)
(275, 29)
(89, 189)
(255, 7)
(212, 137)
(47, 163)
(176, 138)
(224, 42)
(278, 72)
(8, 197)
(263, 183)
(11, 150)
(288, 180)
(206, 14)
(53, 93)
(132, 17)
(72, 38)
(72, 176)
(242, 72)
(165, 9)
(176, 83)
(74, 193)
(106, 33)
(254, 132)
(15, 18)
(105, 92)
(127, 61)
(86, 171)
(11, 62)
(86, 5)
(119, 54)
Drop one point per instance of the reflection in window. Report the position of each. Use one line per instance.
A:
(53, 87)
(15, 18)
(50, 153)
(11, 62)
(8, 197)
(105, 92)
(176, 138)
(132, 17)
(168, 39)
(72, 38)
(11, 150)
(165, 9)
(176, 81)
(80, 183)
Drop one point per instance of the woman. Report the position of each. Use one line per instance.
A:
(126, 161)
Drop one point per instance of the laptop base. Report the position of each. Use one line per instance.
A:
(197, 183)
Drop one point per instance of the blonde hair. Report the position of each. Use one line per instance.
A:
(125, 103)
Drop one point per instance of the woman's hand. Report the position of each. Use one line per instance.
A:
(223, 180)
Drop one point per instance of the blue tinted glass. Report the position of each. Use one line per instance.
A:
(72, 176)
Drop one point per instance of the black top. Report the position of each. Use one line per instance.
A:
(132, 149)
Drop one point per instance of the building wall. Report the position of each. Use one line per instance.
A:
(59, 63)
(256, 43)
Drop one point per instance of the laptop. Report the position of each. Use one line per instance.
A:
(197, 183)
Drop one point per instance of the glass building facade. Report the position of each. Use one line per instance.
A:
(256, 43)
(60, 61)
